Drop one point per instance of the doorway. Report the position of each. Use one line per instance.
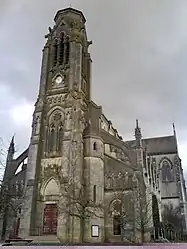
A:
(50, 219)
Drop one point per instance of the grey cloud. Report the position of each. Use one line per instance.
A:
(139, 56)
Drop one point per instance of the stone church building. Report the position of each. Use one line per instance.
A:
(80, 181)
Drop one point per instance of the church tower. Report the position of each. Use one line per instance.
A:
(55, 161)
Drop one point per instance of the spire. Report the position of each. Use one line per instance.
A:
(138, 135)
(174, 131)
(11, 149)
(175, 136)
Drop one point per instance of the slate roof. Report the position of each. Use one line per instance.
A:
(158, 145)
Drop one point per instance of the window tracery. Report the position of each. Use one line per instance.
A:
(117, 207)
(67, 50)
(60, 137)
(55, 52)
(55, 132)
(52, 138)
(167, 171)
(61, 49)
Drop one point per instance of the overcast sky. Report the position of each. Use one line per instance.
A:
(139, 57)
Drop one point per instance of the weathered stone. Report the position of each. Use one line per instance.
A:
(77, 161)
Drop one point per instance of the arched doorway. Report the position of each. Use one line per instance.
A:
(117, 217)
(50, 211)
(156, 217)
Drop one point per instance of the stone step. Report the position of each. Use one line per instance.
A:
(43, 238)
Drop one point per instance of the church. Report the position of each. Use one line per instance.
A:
(80, 181)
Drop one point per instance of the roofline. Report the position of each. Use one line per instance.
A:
(149, 138)
(69, 9)
(152, 138)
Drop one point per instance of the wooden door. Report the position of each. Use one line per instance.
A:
(17, 227)
(50, 219)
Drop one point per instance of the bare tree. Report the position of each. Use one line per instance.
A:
(3, 155)
(8, 191)
(134, 210)
(172, 220)
(144, 213)
(121, 209)
(80, 203)
(7, 203)
(3, 188)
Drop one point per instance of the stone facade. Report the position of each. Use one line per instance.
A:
(79, 168)
(164, 172)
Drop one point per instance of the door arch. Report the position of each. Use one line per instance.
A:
(50, 211)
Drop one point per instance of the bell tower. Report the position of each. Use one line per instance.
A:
(69, 60)
(55, 160)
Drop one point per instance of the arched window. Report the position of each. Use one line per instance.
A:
(94, 193)
(67, 50)
(55, 131)
(167, 174)
(117, 207)
(95, 146)
(55, 52)
(60, 137)
(61, 50)
(52, 138)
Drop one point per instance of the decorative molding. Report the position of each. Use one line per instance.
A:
(56, 99)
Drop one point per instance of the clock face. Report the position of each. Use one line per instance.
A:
(59, 80)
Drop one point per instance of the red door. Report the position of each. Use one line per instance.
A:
(50, 219)
(16, 227)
